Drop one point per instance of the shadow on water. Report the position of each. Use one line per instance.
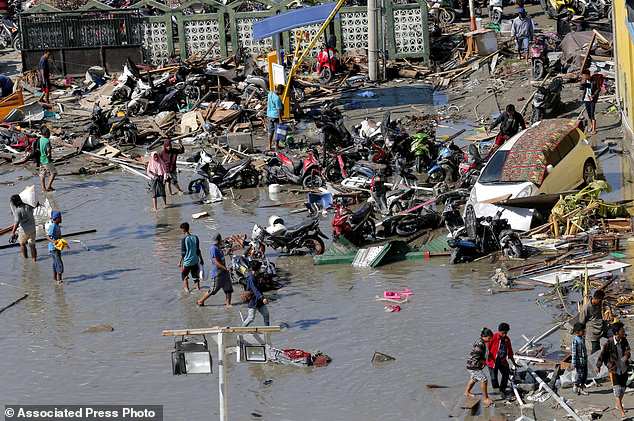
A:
(108, 275)
(308, 323)
(395, 96)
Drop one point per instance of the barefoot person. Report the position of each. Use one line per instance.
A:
(169, 154)
(190, 258)
(47, 169)
(23, 226)
(256, 299)
(219, 273)
(475, 365)
(53, 234)
(157, 173)
(615, 354)
(501, 351)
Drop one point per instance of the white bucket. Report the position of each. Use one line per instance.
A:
(275, 188)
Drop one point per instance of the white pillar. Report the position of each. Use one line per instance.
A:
(222, 379)
(372, 41)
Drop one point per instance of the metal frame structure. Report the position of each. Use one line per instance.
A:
(170, 31)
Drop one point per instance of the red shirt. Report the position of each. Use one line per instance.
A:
(494, 347)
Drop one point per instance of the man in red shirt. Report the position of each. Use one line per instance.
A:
(500, 352)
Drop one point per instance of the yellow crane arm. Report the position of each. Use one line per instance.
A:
(310, 46)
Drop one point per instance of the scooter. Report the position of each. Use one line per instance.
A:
(422, 148)
(9, 35)
(306, 173)
(326, 64)
(105, 125)
(239, 174)
(330, 123)
(597, 9)
(356, 227)
(539, 57)
(305, 237)
(555, 7)
(547, 100)
(481, 236)
(446, 166)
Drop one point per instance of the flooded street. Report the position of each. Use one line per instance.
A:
(129, 279)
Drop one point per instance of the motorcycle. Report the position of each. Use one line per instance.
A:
(326, 64)
(108, 126)
(481, 236)
(597, 9)
(330, 122)
(554, 8)
(305, 237)
(356, 227)
(239, 174)
(469, 169)
(9, 35)
(422, 148)
(282, 169)
(539, 54)
(495, 11)
(441, 12)
(547, 100)
(265, 276)
(446, 166)
(341, 162)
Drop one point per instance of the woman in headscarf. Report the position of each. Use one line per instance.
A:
(168, 155)
(157, 173)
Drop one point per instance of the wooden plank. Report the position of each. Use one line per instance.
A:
(14, 302)
(218, 329)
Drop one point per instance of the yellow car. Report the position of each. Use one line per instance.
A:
(551, 156)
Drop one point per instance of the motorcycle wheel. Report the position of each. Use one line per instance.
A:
(333, 173)
(325, 76)
(537, 115)
(17, 43)
(517, 249)
(312, 181)
(248, 179)
(497, 17)
(538, 69)
(408, 226)
(298, 94)
(449, 174)
(581, 9)
(447, 16)
(314, 245)
(130, 137)
(368, 230)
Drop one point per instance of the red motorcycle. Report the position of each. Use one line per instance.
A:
(326, 64)
(307, 172)
(356, 227)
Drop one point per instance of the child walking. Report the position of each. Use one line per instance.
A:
(579, 358)
(54, 234)
(475, 365)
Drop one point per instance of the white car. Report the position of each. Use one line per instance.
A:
(551, 156)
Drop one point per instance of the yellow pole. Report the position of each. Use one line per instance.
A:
(310, 46)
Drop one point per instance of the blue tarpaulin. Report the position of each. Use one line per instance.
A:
(292, 19)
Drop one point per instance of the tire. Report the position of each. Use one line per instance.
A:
(497, 17)
(299, 94)
(17, 43)
(325, 76)
(408, 226)
(449, 173)
(517, 249)
(589, 172)
(537, 115)
(333, 173)
(315, 245)
(312, 181)
(446, 17)
(368, 230)
(249, 178)
(582, 9)
(538, 69)
(550, 11)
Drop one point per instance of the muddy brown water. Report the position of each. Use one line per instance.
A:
(130, 280)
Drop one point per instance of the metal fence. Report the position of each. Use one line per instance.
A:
(200, 25)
